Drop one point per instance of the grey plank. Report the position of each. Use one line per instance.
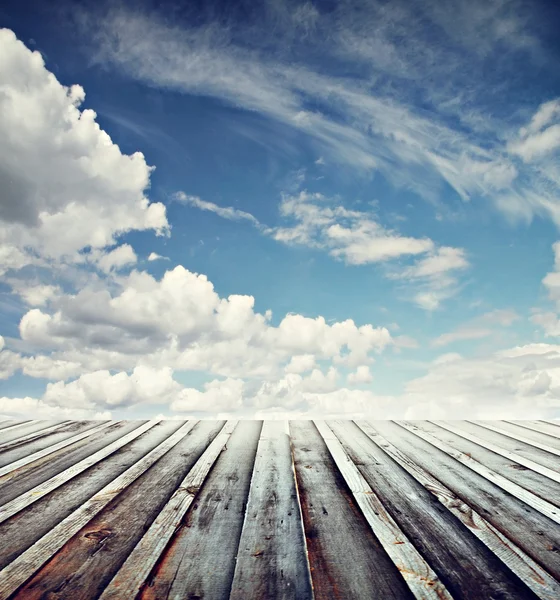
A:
(87, 562)
(422, 580)
(272, 560)
(33, 436)
(28, 478)
(519, 474)
(527, 430)
(535, 534)
(29, 526)
(13, 432)
(33, 495)
(13, 468)
(132, 575)
(42, 439)
(209, 539)
(537, 459)
(466, 566)
(340, 542)
(532, 574)
(12, 423)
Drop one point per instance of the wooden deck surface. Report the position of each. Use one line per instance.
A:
(279, 509)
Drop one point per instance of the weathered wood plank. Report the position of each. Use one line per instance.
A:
(11, 424)
(339, 539)
(272, 558)
(33, 436)
(29, 562)
(419, 576)
(532, 574)
(209, 538)
(33, 495)
(517, 437)
(534, 533)
(543, 427)
(513, 456)
(30, 525)
(544, 507)
(134, 572)
(529, 432)
(530, 480)
(28, 460)
(13, 432)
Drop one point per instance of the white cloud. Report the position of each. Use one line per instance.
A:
(233, 214)
(362, 375)
(480, 327)
(154, 256)
(539, 138)
(180, 321)
(122, 256)
(59, 171)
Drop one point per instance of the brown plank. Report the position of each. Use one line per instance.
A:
(339, 540)
(209, 539)
(271, 559)
(465, 565)
(86, 564)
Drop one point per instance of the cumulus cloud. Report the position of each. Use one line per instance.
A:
(181, 321)
(59, 170)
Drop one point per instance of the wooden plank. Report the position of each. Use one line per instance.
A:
(514, 456)
(530, 480)
(528, 528)
(26, 564)
(33, 495)
(134, 572)
(530, 572)
(529, 432)
(544, 507)
(209, 538)
(11, 425)
(28, 460)
(419, 576)
(339, 540)
(554, 422)
(33, 436)
(30, 525)
(272, 556)
(12, 433)
(540, 426)
(515, 436)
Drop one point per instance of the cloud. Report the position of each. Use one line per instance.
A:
(362, 375)
(60, 171)
(229, 213)
(539, 137)
(180, 321)
(477, 328)
(122, 256)
(356, 237)
(522, 383)
(154, 256)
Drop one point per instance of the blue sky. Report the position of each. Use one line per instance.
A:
(339, 208)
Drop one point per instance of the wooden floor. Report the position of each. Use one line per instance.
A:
(298, 509)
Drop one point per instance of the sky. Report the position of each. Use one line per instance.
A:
(280, 209)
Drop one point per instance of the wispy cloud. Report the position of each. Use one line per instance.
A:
(355, 237)
(477, 328)
(361, 119)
